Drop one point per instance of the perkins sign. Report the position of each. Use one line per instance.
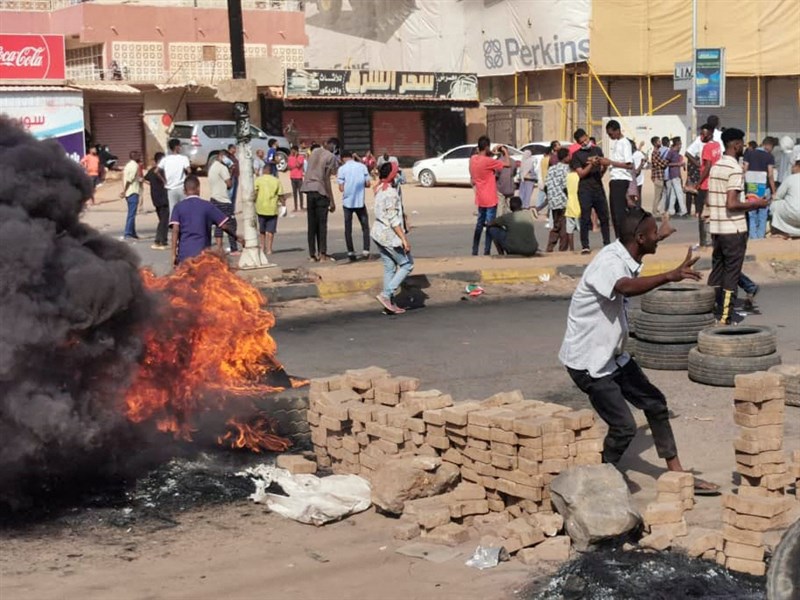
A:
(32, 57)
(543, 54)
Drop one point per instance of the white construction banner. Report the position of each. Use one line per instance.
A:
(487, 37)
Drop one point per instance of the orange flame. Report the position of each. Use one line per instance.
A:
(208, 342)
(258, 434)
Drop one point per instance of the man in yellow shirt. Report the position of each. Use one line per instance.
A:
(269, 193)
(132, 193)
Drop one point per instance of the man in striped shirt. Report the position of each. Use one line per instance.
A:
(728, 222)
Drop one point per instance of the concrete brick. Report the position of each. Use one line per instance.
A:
(350, 444)
(527, 534)
(389, 384)
(482, 417)
(414, 424)
(478, 432)
(452, 455)
(742, 536)
(504, 419)
(486, 470)
(459, 414)
(503, 461)
(529, 467)
(387, 398)
(437, 441)
(759, 395)
(751, 523)
(761, 432)
(517, 490)
(407, 384)
(736, 550)
(555, 452)
(312, 417)
(752, 567)
(463, 508)
(478, 455)
(753, 492)
(334, 441)
(595, 432)
(588, 459)
(529, 442)
(523, 478)
(658, 513)
(752, 408)
(751, 460)
(656, 541)
(296, 464)
(330, 424)
(561, 438)
(405, 531)
(759, 507)
(669, 497)
(767, 418)
(674, 481)
(553, 465)
(340, 396)
(426, 450)
(503, 437)
(699, 541)
(554, 549)
(501, 448)
(745, 446)
(531, 454)
(433, 417)
(469, 474)
(386, 446)
(451, 534)
(334, 382)
(468, 491)
(674, 530)
(758, 381)
(530, 427)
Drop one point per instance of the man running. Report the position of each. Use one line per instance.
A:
(597, 327)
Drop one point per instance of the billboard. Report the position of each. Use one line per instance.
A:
(330, 83)
(709, 77)
(59, 118)
(32, 57)
(487, 37)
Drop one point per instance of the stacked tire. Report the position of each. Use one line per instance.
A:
(791, 379)
(724, 352)
(666, 328)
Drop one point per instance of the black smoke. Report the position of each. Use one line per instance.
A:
(71, 307)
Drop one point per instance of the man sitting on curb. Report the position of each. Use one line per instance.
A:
(593, 350)
(513, 232)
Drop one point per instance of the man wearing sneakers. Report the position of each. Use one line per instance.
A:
(593, 350)
(353, 179)
(586, 163)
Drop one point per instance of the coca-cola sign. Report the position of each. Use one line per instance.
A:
(31, 56)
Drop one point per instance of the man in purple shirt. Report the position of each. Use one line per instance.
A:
(191, 223)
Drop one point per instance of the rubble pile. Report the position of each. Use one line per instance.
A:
(761, 504)
(506, 450)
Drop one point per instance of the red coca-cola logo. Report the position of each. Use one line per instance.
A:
(32, 57)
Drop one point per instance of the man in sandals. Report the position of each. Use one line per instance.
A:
(597, 328)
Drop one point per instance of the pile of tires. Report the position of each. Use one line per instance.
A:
(724, 352)
(791, 379)
(665, 330)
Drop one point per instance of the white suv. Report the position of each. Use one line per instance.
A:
(452, 166)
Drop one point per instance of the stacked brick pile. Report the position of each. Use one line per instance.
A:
(761, 503)
(508, 449)
(664, 518)
(794, 472)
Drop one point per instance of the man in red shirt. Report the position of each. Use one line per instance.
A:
(709, 156)
(483, 167)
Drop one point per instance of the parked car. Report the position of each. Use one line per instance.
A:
(538, 150)
(201, 141)
(451, 166)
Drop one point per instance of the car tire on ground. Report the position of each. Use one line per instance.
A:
(679, 299)
(632, 315)
(427, 178)
(791, 379)
(663, 357)
(734, 340)
(721, 370)
(631, 345)
(671, 329)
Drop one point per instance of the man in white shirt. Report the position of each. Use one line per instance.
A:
(621, 163)
(597, 327)
(174, 168)
(219, 182)
(639, 161)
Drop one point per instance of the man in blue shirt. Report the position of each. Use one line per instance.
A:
(272, 164)
(191, 222)
(353, 179)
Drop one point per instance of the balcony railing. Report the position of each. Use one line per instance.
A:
(49, 5)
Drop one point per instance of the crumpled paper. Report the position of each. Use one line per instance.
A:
(310, 499)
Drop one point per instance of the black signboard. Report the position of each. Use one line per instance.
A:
(328, 83)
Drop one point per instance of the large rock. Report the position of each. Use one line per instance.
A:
(409, 477)
(595, 503)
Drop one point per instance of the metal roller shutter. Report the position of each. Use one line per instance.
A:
(401, 133)
(734, 113)
(314, 125)
(119, 126)
(783, 107)
(209, 111)
(356, 130)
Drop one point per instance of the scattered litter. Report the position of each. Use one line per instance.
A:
(474, 290)
(544, 277)
(703, 418)
(382, 548)
(431, 552)
(414, 212)
(309, 499)
(317, 556)
(484, 558)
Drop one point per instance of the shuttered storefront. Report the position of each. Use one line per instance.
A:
(356, 134)
(783, 107)
(401, 133)
(314, 125)
(118, 125)
(209, 111)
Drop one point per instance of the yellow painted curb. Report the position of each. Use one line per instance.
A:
(530, 275)
(338, 289)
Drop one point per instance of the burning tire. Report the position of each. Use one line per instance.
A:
(791, 378)
(737, 341)
(289, 408)
(679, 299)
(783, 577)
(664, 357)
(671, 328)
(721, 370)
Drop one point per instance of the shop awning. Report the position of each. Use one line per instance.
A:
(108, 87)
(35, 88)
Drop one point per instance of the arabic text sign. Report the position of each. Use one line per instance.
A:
(709, 77)
(62, 123)
(305, 83)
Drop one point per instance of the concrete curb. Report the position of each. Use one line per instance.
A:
(508, 276)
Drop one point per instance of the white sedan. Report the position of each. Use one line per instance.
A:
(452, 166)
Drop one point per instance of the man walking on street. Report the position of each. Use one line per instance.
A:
(158, 194)
(319, 198)
(483, 167)
(233, 166)
(709, 156)
(728, 223)
(597, 328)
(621, 163)
(759, 182)
(674, 182)
(174, 169)
(132, 192)
(556, 193)
(353, 179)
(219, 182)
(586, 163)
(657, 166)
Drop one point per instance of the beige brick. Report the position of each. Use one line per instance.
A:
(796, 456)
(387, 398)
(479, 432)
(523, 478)
(468, 491)
(674, 481)
(312, 417)
(489, 482)
(674, 530)
(561, 438)
(588, 459)
(759, 507)
(549, 523)
(529, 442)
(387, 446)
(529, 467)
(656, 541)
(426, 450)
(752, 408)
(761, 432)
(751, 523)
(415, 424)
(486, 469)
(745, 446)
(350, 444)
(752, 567)
(554, 549)
(434, 417)
(529, 426)
(334, 441)
(527, 534)
(669, 497)
(417, 402)
(767, 418)
(405, 531)
(756, 471)
(753, 492)
(758, 381)
(459, 414)
(451, 534)
(504, 437)
(518, 490)
(772, 456)
(742, 536)
(389, 384)
(759, 395)
(736, 550)
(658, 513)
(452, 455)
(478, 455)
(296, 464)
(699, 541)
(439, 442)
(469, 474)
(502, 448)
(482, 417)
(504, 419)
(555, 452)
(407, 384)
(463, 508)
(553, 465)
(688, 503)
(330, 424)
(532, 454)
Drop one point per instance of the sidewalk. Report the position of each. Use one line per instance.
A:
(342, 279)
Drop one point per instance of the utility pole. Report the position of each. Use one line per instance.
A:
(251, 257)
(691, 111)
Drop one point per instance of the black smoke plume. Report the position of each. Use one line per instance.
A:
(71, 304)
